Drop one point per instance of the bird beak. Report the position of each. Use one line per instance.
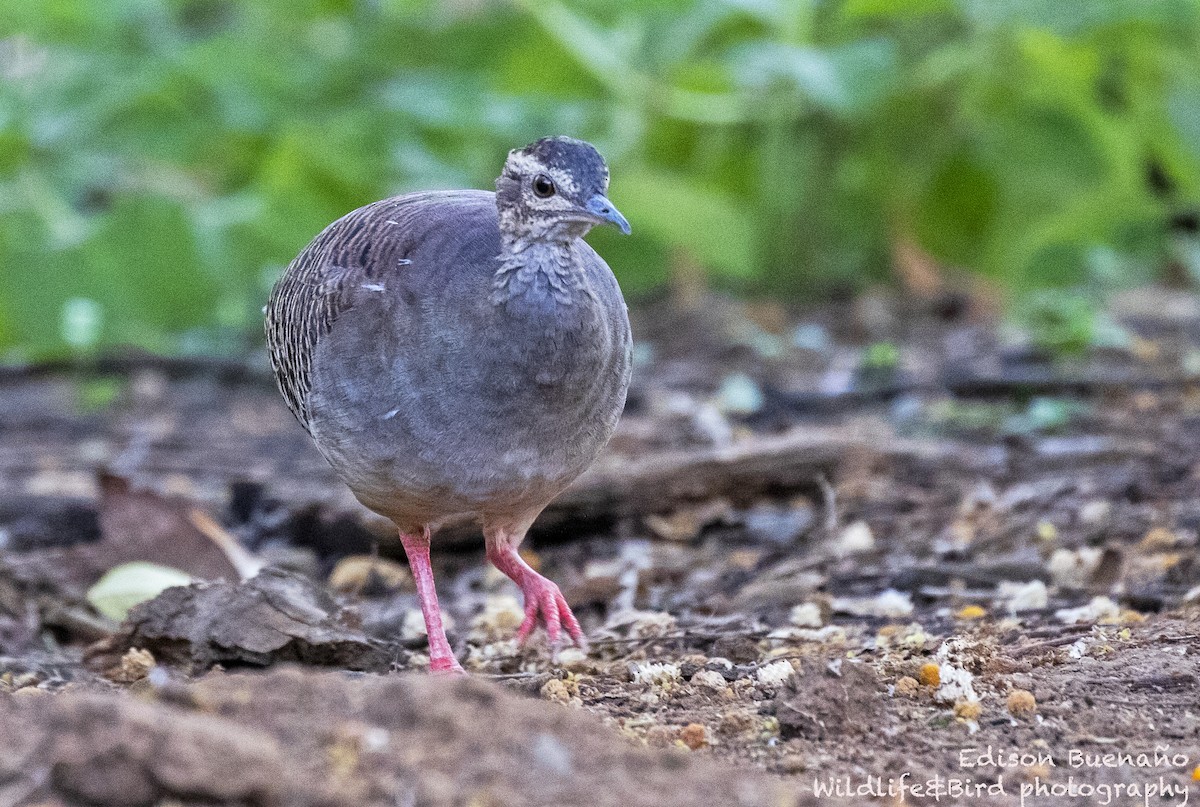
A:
(603, 209)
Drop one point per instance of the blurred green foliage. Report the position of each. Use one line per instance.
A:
(161, 161)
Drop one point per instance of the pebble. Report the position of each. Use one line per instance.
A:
(739, 394)
(777, 524)
(1095, 511)
(655, 673)
(806, 615)
(888, 603)
(135, 665)
(775, 674)
(1029, 596)
(570, 657)
(811, 336)
(355, 572)
(709, 679)
(971, 612)
(956, 685)
(710, 425)
(501, 615)
(855, 539)
(1100, 609)
(642, 624)
(1073, 568)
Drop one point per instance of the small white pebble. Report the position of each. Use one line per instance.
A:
(413, 626)
(709, 679)
(739, 394)
(375, 739)
(811, 336)
(501, 615)
(956, 685)
(1095, 511)
(855, 539)
(493, 650)
(888, 603)
(775, 673)
(655, 673)
(710, 424)
(1074, 568)
(790, 633)
(643, 624)
(1029, 596)
(806, 615)
(913, 636)
(158, 677)
(1098, 610)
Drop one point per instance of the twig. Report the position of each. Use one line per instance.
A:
(247, 565)
(829, 497)
(1050, 643)
(699, 637)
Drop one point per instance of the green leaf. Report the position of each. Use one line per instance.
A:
(847, 80)
(156, 161)
(144, 259)
(121, 588)
(1183, 107)
(1077, 17)
(958, 210)
(710, 225)
(1061, 322)
(894, 8)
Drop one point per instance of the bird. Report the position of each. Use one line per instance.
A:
(463, 353)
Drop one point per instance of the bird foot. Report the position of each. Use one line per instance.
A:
(545, 603)
(448, 667)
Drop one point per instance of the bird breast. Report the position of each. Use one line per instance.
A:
(499, 401)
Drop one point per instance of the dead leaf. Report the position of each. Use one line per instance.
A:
(276, 616)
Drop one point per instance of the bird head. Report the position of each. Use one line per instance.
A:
(555, 189)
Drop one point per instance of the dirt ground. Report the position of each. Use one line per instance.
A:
(883, 552)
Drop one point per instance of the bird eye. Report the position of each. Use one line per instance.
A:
(543, 186)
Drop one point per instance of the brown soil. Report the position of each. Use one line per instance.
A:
(300, 737)
(923, 576)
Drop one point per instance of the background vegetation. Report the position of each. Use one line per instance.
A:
(161, 161)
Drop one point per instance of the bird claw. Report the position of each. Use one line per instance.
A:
(545, 603)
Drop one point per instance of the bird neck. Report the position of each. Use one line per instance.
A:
(541, 273)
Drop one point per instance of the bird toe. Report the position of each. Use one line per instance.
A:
(546, 605)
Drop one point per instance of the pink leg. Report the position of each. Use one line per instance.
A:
(542, 597)
(441, 657)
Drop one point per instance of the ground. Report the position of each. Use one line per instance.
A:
(889, 544)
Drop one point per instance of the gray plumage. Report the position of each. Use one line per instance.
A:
(460, 352)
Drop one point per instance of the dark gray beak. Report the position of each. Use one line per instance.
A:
(600, 207)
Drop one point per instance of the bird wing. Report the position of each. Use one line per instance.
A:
(359, 252)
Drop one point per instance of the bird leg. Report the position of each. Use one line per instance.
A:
(441, 657)
(542, 597)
